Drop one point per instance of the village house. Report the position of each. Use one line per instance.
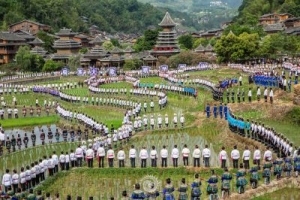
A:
(9, 45)
(29, 26)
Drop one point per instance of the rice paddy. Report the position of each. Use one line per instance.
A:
(104, 183)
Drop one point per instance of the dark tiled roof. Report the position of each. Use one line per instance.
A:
(10, 37)
(37, 23)
(66, 32)
(96, 40)
(149, 57)
(81, 36)
(36, 41)
(66, 44)
(209, 48)
(200, 48)
(116, 50)
(273, 27)
(38, 50)
(292, 30)
(128, 50)
(167, 21)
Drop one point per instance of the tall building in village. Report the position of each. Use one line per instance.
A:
(166, 44)
(66, 46)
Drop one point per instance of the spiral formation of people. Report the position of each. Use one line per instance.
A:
(196, 132)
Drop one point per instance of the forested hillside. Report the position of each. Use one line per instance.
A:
(251, 10)
(128, 16)
(208, 13)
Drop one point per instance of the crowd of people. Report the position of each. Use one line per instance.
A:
(101, 148)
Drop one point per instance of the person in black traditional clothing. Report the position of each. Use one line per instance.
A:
(42, 137)
(13, 143)
(57, 135)
(25, 140)
(50, 135)
(72, 134)
(8, 144)
(19, 142)
(65, 134)
(33, 138)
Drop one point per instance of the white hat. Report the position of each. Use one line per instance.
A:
(166, 114)
(83, 142)
(109, 135)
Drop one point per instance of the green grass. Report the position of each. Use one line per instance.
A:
(30, 121)
(85, 182)
(25, 157)
(286, 193)
(155, 80)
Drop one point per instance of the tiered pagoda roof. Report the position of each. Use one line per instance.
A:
(38, 50)
(66, 32)
(96, 41)
(166, 43)
(96, 53)
(128, 50)
(200, 49)
(66, 41)
(37, 42)
(167, 21)
(116, 50)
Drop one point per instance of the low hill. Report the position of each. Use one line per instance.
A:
(251, 10)
(129, 16)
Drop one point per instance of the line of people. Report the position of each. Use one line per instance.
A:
(240, 95)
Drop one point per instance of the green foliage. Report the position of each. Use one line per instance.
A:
(51, 66)
(186, 41)
(115, 42)
(28, 61)
(132, 64)
(111, 15)
(147, 41)
(74, 62)
(32, 121)
(108, 45)
(84, 50)
(251, 10)
(232, 48)
(294, 115)
(48, 41)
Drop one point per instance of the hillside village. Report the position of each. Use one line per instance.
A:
(68, 43)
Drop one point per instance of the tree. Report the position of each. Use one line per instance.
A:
(51, 66)
(186, 41)
(23, 58)
(147, 41)
(132, 64)
(115, 42)
(74, 62)
(48, 41)
(107, 45)
(83, 50)
(28, 61)
(232, 48)
(199, 41)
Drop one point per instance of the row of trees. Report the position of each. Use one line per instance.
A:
(26, 61)
(244, 47)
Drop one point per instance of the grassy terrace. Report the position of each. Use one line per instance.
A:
(198, 130)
